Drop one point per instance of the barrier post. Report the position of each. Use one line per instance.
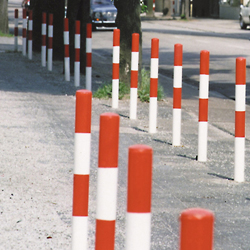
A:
(203, 105)
(115, 70)
(30, 30)
(44, 34)
(134, 76)
(177, 91)
(16, 30)
(77, 54)
(81, 169)
(24, 31)
(66, 50)
(50, 42)
(153, 85)
(240, 110)
(138, 217)
(107, 176)
(196, 230)
(89, 57)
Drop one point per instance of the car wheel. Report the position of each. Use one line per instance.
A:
(242, 24)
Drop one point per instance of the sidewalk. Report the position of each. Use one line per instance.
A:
(37, 135)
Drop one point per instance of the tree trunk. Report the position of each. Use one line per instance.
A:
(128, 21)
(187, 9)
(55, 7)
(4, 25)
(78, 10)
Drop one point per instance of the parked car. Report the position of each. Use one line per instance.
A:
(244, 15)
(103, 13)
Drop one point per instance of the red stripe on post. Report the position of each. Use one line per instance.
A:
(30, 15)
(196, 229)
(203, 110)
(16, 31)
(50, 19)
(77, 27)
(178, 52)
(16, 13)
(88, 59)
(240, 71)
(177, 98)
(155, 48)
(44, 17)
(115, 71)
(50, 42)
(77, 56)
(240, 123)
(108, 140)
(66, 50)
(24, 14)
(135, 42)
(139, 179)
(134, 79)
(104, 229)
(66, 24)
(204, 62)
(24, 33)
(83, 111)
(116, 37)
(80, 195)
(43, 40)
(89, 30)
(153, 87)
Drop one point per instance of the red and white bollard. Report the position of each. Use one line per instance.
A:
(30, 30)
(240, 110)
(24, 31)
(16, 30)
(77, 54)
(138, 218)
(177, 91)
(203, 105)
(153, 85)
(196, 230)
(107, 177)
(66, 50)
(81, 169)
(44, 34)
(89, 57)
(50, 42)
(116, 64)
(134, 75)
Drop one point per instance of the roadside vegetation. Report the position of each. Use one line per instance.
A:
(105, 91)
(5, 35)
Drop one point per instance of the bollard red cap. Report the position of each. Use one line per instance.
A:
(83, 111)
(139, 179)
(196, 231)
(50, 19)
(155, 48)
(44, 17)
(89, 30)
(178, 54)
(204, 62)
(135, 42)
(108, 140)
(116, 37)
(77, 27)
(66, 24)
(240, 70)
(16, 13)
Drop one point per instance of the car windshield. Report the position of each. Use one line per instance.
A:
(101, 2)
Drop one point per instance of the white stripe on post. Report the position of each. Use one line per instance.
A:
(89, 56)
(134, 76)
(115, 68)
(81, 170)
(138, 217)
(240, 110)
(153, 85)
(44, 34)
(177, 91)
(24, 31)
(107, 176)
(66, 50)
(203, 105)
(77, 54)
(30, 30)
(16, 30)
(50, 42)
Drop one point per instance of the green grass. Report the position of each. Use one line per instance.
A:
(5, 35)
(105, 91)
